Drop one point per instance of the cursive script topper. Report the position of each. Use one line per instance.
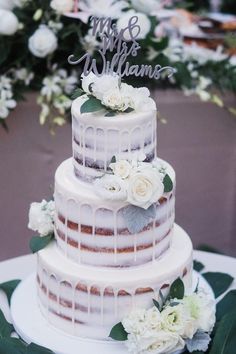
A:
(121, 44)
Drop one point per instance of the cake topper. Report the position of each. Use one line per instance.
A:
(122, 43)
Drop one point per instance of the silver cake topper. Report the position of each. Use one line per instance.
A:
(116, 42)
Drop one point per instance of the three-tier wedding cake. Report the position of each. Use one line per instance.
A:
(116, 242)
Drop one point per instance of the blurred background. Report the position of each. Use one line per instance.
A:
(197, 106)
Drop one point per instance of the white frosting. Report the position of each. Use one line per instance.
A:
(100, 311)
(77, 203)
(97, 138)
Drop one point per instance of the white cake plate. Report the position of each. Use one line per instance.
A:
(30, 324)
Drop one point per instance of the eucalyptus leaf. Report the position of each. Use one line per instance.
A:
(224, 341)
(156, 304)
(77, 93)
(91, 105)
(198, 266)
(6, 328)
(137, 218)
(200, 341)
(37, 243)
(227, 304)
(168, 184)
(118, 333)
(176, 290)
(9, 287)
(129, 110)
(219, 282)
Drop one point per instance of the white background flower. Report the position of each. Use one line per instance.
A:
(62, 6)
(122, 168)
(143, 22)
(41, 217)
(7, 4)
(111, 187)
(43, 42)
(103, 8)
(8, 22)
(6, 103)
(146, 6)
(145, 188)
(24, 75)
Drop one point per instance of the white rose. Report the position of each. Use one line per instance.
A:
(43, 42)
(41, 217)
(7, 4)
(111, 187)
(62, 6)
(159, 342)
(145, 188)
(114, 100)
(174, 319)
(139, 98)
(202, 309)
(146, 6)
(135, 321)
(121, 168)
(142, 100)
(105, 83)
(143, 22)
(8, 22)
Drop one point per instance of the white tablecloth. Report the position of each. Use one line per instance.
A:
(21, 267)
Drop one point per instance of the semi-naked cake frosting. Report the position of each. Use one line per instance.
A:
(98, 269)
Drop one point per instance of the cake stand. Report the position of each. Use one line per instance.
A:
(30, 324)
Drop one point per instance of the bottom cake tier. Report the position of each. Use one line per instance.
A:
(88, 301)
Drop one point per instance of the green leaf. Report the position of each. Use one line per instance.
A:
(224, 341)
(113, 159)
(198, 266)
(12, 346)
(219, 282)
(129, 110)
(168, 184)
(176, 290)
(37, 349)
(118, 333)
(9, 287)
(208, 248)
(4, 125)
(6, 328)
(91, 105)
(110, 114)
(77, 93)
(37, 243)
(156, 304)
(227, 304)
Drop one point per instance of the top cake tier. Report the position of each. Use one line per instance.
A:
(97, 138)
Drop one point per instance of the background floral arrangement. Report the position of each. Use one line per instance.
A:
(36, 38)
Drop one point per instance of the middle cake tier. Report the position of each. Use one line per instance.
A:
(93, 231)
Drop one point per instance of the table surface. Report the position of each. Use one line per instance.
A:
(21, 267)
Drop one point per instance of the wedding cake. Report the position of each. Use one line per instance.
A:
(116, 245)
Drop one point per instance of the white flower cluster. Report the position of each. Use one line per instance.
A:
(6, 96)
(55, 92)
(103, 8)
(62, 6)
(41, 217)
(42, 42)
(117, 96)
(152, 331)
(138, 183)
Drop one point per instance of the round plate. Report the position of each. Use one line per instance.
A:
(30, 324)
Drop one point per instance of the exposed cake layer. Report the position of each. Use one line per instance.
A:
(94, 231)
(97, 138)
(88, 301)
